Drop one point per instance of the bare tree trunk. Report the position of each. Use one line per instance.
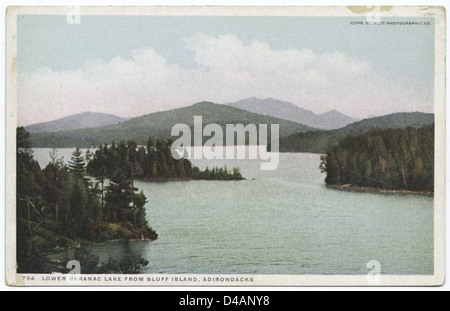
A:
(403, 173)
(30, 242)
(103, 191)
(29, 211)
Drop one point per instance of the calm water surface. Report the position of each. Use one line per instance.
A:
(278, 222)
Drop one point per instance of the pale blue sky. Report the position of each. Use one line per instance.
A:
(404, 53)
(49, 41)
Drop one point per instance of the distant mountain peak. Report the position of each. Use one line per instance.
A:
(271, 99)
(91, 113)
(333, 111)
(87, 119)
(289, 111)
(204, 103)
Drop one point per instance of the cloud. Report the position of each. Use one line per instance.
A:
(227, 70)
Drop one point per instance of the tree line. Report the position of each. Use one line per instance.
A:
(393, 159)
(154, 162)
(322, 141)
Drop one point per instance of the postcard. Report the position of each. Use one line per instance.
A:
(225, 146)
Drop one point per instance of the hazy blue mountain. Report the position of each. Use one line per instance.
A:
(320, 142)
(77, 121)
(288, 111)
(159, 125)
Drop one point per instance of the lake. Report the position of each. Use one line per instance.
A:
(278, 222)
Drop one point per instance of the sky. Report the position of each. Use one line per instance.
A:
(130, 66)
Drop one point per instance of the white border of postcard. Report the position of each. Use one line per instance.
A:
(13, 279)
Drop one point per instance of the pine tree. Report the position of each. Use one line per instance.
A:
(23, 139)
(77, 164)
(97, 168)
(119, 200)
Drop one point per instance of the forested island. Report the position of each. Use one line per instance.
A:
(68, 205)
(400, 160)
(152, 163)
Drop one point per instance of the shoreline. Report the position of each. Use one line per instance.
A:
(49, 240)
(351, 188)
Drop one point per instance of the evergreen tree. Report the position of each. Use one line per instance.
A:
(119, 200)
(97, 168)
(23, 139)
(77, 163)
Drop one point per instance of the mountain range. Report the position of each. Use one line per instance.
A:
(93, 129)
(77, 121)
(159, 126)
(288, 111)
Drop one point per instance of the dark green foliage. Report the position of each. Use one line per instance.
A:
(119, 202)
(217, 174)
(23, 138)
(322, 141)
(77, 163)
(28, 200)
(389, 159)
(58, 207)
(127, 161)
